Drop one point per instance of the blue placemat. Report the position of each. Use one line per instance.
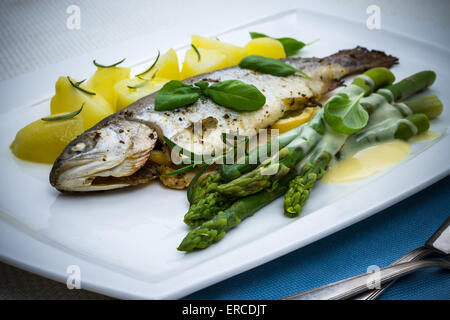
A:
(378, 240)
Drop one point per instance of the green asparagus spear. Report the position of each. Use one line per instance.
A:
(395, 126)
(370, 80)
(385, 129)
(429, 105)
(301, 186)
(272, 170)
(213, 230)
(202, 188)
(409, 86)
(206, 208)
(232, 171)
(205, 201)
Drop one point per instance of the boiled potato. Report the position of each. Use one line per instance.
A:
(266, 47)
(210, 60)
(43, 141)
(127, 96)
(234, 53)
(103, 80)
(69, 99)
(166, 67)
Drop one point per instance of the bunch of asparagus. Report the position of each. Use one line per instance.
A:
(223, 199)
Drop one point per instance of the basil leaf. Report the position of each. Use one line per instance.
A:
(255, 35)
(271, 66)
(175, 94)
(291, 45)
(237, 95)
(345, 115)
(202, 84)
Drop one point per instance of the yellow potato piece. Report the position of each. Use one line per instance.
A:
(167, 67)
(234, 53)
(103, 80)
(43, 141)
(266, 47)
(127, 96)
(210, 60)
(69, 99)
(287, 124)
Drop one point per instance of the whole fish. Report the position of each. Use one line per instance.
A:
(115, 153)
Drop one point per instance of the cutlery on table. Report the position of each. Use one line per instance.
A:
(438, 243)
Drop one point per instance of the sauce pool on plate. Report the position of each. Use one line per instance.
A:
(367, 162)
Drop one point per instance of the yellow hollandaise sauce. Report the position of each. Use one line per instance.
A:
(367, 162)
(424, 136)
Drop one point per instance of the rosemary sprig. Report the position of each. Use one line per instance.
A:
(110, 66)
(153, 76)
(151, 67)
(202, 163)
(185, 169)
(64, 116)
(192, 156)
(140, 85)
(77, 86)
(197, 52)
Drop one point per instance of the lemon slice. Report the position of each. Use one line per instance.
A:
(287, 124)
(159, 157)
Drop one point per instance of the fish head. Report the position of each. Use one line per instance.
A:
(109, 156)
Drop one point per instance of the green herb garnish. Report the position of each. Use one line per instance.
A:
(271, 66)
(192, 156)
(233, 94)
(291, 46)
(153, 76)
(64, 116)
(345, 115)
(236, 95)
(175, 94)
(197, 52)
(140, 85)
(110, 66)
(151, 67)
(77, 85)
(185, 169)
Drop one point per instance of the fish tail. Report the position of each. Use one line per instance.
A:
(360, 59)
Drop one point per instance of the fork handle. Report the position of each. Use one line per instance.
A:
(416, 254)
(349, 287)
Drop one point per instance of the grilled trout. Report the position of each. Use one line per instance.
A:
(115, 152)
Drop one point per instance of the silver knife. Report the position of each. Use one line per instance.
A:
(439, 243)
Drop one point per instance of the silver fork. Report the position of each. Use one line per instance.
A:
(438, 243)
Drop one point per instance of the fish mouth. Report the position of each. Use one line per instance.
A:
(109, 156)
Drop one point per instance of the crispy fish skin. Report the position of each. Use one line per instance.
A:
(113, 154)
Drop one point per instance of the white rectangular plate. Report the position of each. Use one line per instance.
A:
(125, 241)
